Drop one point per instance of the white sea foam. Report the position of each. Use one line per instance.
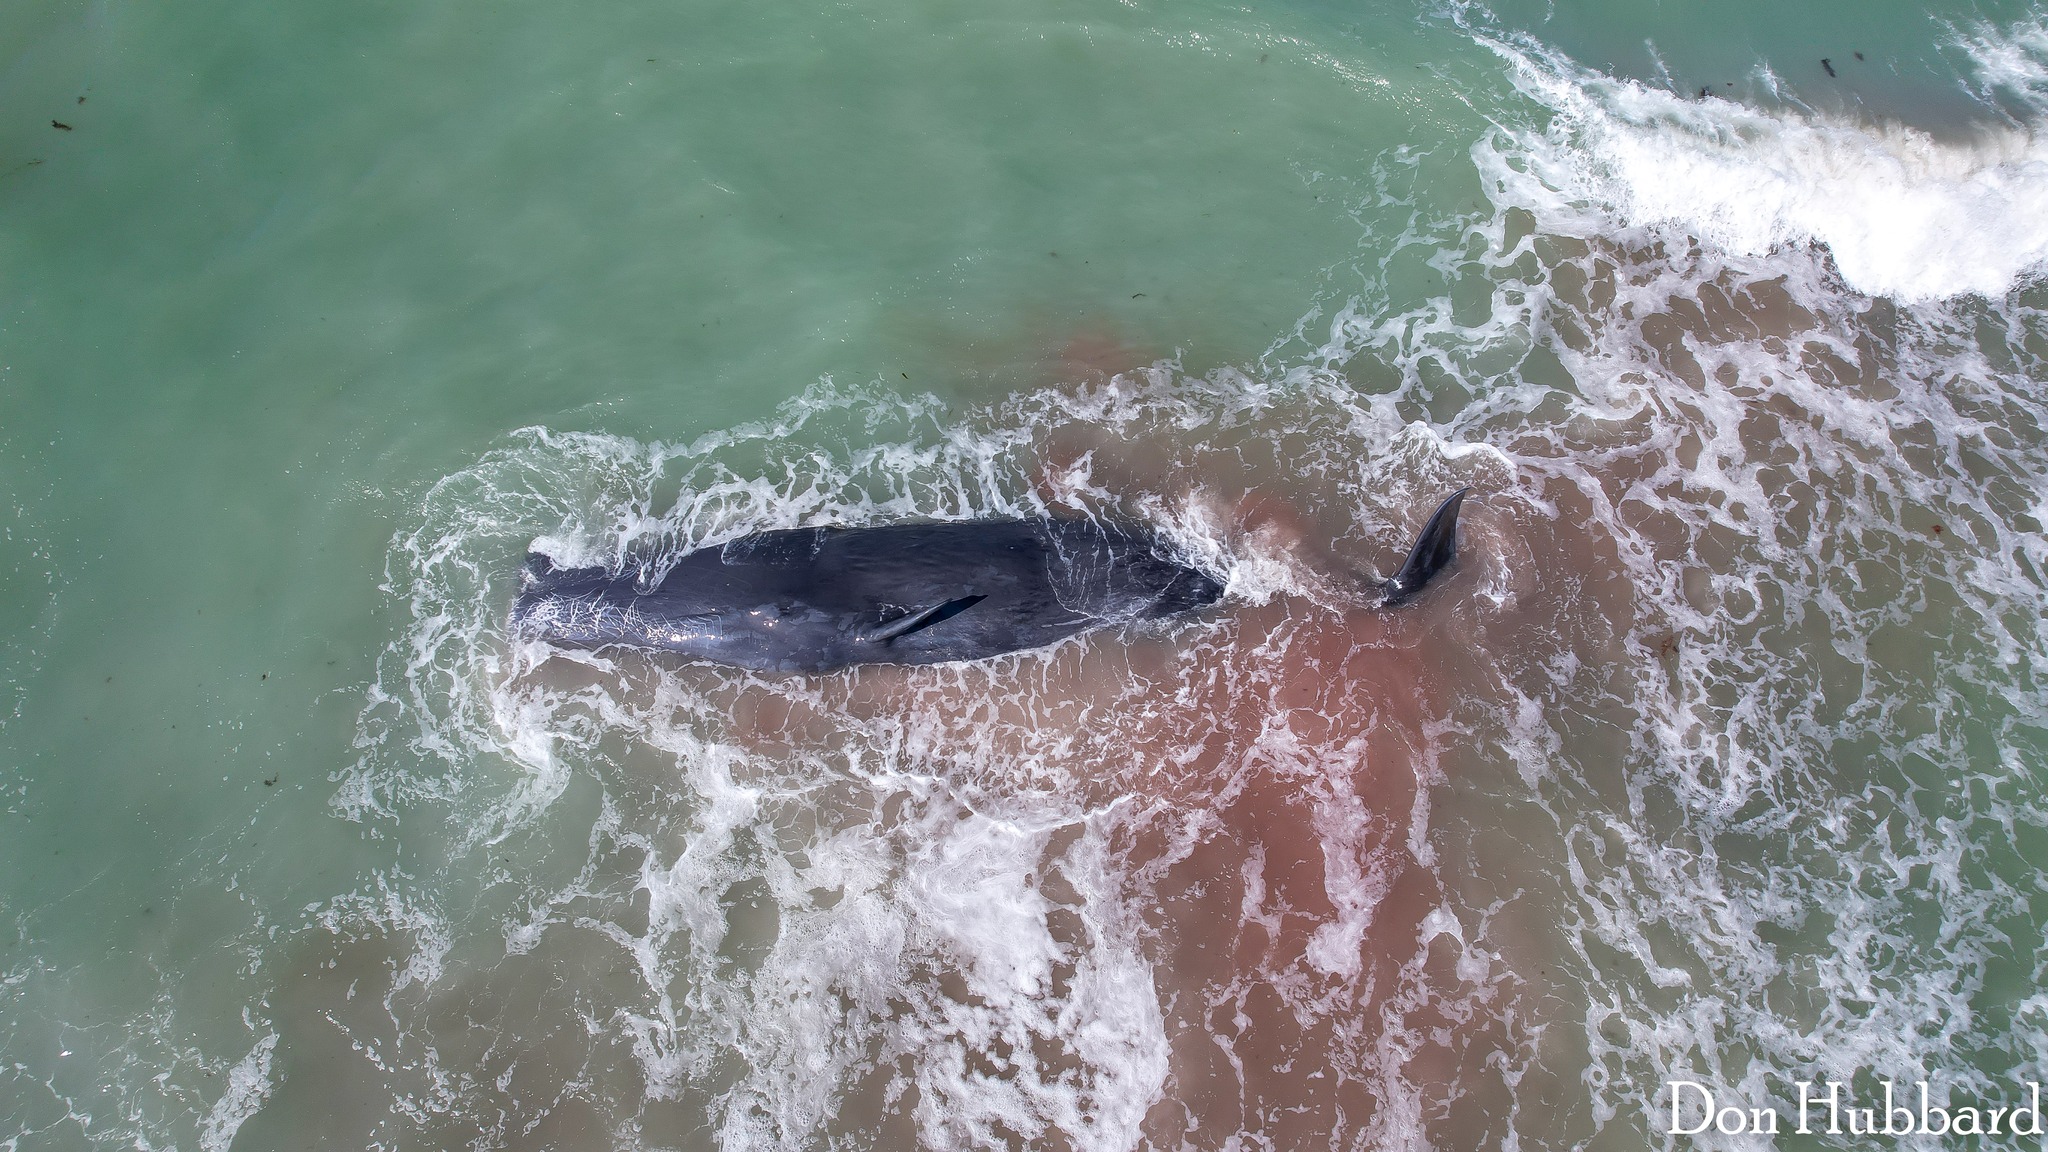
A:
(248, 1086)
(2009, 64)
(1828, 514)
(1903, 214)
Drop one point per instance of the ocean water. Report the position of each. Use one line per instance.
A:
(1720, 757)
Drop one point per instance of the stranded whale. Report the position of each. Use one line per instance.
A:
(818, 599)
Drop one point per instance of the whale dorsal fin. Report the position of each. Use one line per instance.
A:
(923, 618)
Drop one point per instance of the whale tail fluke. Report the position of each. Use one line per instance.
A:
(1433, 552)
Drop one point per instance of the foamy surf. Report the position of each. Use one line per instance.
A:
(1902, 213)
(963, 905)
(1088, 897)
(1822, 525)
(2008, 68)
(1719, 759)
(933, 897)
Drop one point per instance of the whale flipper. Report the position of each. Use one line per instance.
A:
(1433, 552)
(905, 625)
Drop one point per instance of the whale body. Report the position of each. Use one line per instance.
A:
(813, 600)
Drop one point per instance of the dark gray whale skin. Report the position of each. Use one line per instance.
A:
(814, 600)
(818, 599)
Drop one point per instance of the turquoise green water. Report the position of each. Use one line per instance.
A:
(1733, 774)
